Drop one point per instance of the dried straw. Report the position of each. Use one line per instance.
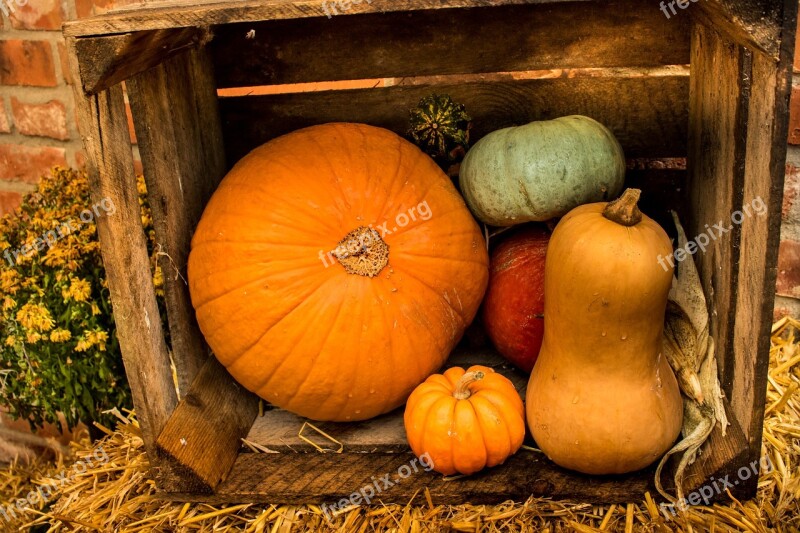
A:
(118, 496)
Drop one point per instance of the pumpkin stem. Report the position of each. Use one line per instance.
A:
(624, 210)
(462, 391)
(362, 252)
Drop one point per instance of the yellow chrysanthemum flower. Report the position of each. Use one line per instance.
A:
(11, 340)
(60, 335)
(9, 281)
(78, 290)
(32, 337)
(8, 303)
(35, 317)
(82, 345)
(95, 309)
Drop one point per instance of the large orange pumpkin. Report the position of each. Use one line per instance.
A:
(334, 269)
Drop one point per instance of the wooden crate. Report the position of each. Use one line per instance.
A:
(710, 84)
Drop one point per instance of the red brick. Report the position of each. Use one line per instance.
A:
(62, 57)
(27, 63)
(29, 163)
(87, 8)
(5, 127)
(137, 167)
(789, 269)
(37, 15)
(80, 160)
(41, 120)
(9, 200)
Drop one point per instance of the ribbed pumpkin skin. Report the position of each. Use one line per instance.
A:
(465, 436)
(316, 340)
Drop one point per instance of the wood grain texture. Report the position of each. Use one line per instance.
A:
(327, 478)
(757, 24)
(764, 179)
(462, 41)
(717, 112)
(316, 478)
(649, 116)
(721, 455)
(180, 14)
(176, 116)
(108, 60)
(101, 121)
(201, 441)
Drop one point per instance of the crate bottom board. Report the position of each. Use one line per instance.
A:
(328, 478)
(295, 472)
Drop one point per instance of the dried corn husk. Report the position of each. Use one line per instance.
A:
(690, 351)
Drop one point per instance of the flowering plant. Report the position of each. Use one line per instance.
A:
(58, 346)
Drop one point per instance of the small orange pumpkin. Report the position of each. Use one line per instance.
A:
(334, 269)
(465, 421)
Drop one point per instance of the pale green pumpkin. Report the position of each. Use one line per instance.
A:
(541, 170)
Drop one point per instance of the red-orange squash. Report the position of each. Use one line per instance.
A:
(465, 421)
(334, 269)
(513, 310)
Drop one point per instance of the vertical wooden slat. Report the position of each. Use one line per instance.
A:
(175, 113)
(718, 97)
(111, 175)
(764, 178)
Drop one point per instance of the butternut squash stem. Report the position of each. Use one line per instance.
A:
(462, 391)
(624, 210)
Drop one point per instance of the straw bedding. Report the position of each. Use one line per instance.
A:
(110, 491)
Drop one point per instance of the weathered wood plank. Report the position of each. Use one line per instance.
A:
(179, 14)
(101, 120)
(649, 116)
(201, 441)
(463, 41)
(764, 178)
(109, 60)
(757, 24)
(718, 125)
(179, 97)
(327, 478)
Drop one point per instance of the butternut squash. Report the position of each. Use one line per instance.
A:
(602, 398)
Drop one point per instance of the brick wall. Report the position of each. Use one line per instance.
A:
(38, 131)
(37, 115)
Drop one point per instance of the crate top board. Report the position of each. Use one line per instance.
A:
(735, 105)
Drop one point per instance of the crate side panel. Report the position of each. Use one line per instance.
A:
(716, 178)
(103, 127)
(649, 116)
(176, 116)
(463, 41)
(763, 194)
